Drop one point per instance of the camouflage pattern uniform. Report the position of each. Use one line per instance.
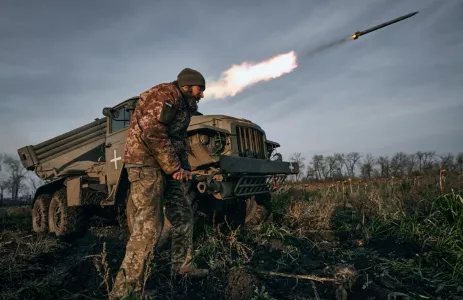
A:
(154, 151)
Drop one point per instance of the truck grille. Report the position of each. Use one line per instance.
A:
(250, 142)
(253, 185)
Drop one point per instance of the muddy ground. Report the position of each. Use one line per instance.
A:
(341, 265)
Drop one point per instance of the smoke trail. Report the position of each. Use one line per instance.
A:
(308, 52)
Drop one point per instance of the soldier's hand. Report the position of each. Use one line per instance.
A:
(179, 174)
(188, 175)
(182, 174)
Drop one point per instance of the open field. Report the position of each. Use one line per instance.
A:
(369, 240)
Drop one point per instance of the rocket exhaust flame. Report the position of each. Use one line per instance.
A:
(238, 77)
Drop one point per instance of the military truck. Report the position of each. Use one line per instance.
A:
(235, 168)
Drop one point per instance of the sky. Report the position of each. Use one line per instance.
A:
(396, 89)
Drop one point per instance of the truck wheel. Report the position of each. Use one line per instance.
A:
(130, 212)
(40, 214)
(257, 209)
(65, 221)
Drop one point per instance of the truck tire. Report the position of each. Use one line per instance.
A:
(40, 213)
(258, 209)
(65, 221)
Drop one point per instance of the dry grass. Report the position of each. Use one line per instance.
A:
(15, 216)
(399, 238)
(304, 215)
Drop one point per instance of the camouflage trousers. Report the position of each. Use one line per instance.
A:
(152, 192)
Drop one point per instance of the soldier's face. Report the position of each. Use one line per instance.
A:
(197, 92)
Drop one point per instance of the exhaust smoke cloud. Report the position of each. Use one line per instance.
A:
(238, 77)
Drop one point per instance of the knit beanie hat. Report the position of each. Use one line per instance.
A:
(190, 77)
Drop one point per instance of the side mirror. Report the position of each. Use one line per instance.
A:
(110, 113)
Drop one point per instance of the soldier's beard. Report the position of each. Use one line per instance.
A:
(192, 100)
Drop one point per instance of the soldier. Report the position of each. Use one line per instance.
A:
(157, 165)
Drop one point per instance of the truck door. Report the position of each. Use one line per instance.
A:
(115, 144)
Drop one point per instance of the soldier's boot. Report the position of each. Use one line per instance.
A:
(121, 293)
(182, 264)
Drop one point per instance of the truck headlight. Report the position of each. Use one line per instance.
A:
(219, 142)
(214, 142)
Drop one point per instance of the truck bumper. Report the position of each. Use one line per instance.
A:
(234, 164)
(252, 177)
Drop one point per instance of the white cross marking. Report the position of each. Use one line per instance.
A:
(291, 166)
(115, 159)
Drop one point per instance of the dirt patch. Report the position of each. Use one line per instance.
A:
(241, 285)
(272, 244)
(390, 248)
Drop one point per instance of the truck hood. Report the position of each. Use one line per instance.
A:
(220, 123)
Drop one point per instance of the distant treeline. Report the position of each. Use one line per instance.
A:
(340, 166)
(16, 182)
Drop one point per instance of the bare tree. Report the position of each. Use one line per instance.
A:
(3, 179)
(330, 163)
(384, 165)
(16, 175)
(420, 161)
(428, 160)
(310, 173)
(376, 173)
(459, 162)
(398, 164)
(340, 163)
(351, 161)
(318, 166)
(366, 166)
(410, 162)
(298, 159)
(446, 162)
(3, 186)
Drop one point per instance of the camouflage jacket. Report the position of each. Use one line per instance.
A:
(155, 143)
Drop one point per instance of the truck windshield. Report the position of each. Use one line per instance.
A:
(122, 121)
